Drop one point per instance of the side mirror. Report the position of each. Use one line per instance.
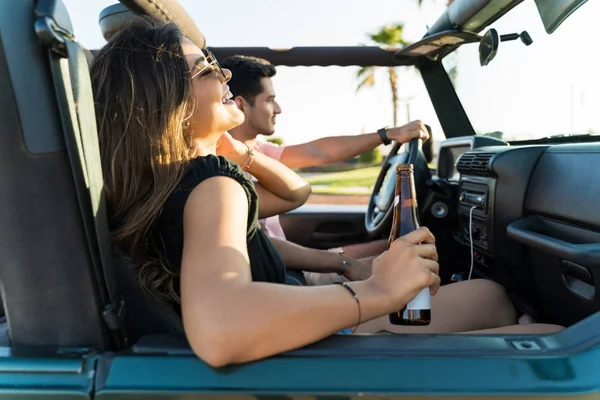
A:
(488, 46)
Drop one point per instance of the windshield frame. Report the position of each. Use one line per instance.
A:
(578, 133)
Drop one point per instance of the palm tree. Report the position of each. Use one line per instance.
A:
(388, 36)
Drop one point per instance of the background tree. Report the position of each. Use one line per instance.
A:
(370, 157)
(389, 36)
(275, 140)
(495, 134)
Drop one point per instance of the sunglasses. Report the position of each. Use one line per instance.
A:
(206, 64)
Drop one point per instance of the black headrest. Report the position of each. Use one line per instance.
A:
(143, 314)
(115, 17)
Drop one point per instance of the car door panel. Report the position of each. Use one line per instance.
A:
(325, 226)
(350, 366)
(561, 232)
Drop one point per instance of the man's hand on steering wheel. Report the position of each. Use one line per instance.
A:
(405, 133)
(409, 138)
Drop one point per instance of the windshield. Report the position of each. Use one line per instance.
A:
(528, 92)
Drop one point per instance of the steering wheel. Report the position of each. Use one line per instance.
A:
(380, 212)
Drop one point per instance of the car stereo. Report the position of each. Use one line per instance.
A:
(473, 211)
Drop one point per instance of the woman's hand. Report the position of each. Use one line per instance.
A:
(409, 266)
(232, 149)
(357, 270)
(279, 188)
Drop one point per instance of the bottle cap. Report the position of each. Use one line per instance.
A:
(404, 167)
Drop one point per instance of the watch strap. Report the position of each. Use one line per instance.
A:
(383, 136)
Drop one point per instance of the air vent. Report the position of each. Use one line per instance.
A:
(474, 163)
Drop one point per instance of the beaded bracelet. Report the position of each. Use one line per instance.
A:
(353, 293)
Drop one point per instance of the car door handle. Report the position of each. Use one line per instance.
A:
(527, 231)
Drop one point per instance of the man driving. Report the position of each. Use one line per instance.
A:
(254, 94)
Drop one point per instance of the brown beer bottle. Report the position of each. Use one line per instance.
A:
(406, 219)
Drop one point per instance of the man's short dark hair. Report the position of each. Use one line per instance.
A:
(246, 75)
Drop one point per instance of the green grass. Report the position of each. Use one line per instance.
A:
(358, 177)
(342, 191)
(355, 182)
(347, 182)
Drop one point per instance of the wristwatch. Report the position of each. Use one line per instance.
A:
(383, 135)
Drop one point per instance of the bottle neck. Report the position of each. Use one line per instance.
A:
(407, 192)
(407, 203)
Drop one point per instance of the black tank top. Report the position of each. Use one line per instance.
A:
(265, 263)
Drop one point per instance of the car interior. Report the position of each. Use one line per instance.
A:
(521, 215)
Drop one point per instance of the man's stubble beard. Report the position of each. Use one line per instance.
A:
(269, 132)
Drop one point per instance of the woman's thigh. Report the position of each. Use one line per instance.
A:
(458, 307)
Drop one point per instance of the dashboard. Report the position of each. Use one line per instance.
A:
(521, 215)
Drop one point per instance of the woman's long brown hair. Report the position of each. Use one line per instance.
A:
(141, 85)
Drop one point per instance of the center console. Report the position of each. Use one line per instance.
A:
(465, 162)
(487, 188)
(475, 210)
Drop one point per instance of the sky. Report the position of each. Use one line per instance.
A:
(544, 89)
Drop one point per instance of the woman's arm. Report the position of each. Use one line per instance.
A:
(279, 189)
(303, 258)
(230, 319)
